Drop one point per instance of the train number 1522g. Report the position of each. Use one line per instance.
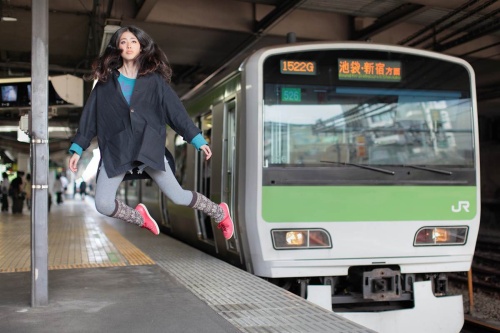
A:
(298, 67)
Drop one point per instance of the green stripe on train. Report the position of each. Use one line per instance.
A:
(367, 203)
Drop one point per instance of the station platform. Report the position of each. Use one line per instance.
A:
(106, 275)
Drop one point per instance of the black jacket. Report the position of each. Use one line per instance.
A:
(128, 134)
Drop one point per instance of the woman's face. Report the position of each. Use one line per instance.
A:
(129, 45)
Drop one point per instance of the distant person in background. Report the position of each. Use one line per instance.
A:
(59, 189)
(133, 76)
(5, 192)
(17, 194)
(64, 182)
(83, 189)
(27, 190)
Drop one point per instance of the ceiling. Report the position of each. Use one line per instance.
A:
(204, 38)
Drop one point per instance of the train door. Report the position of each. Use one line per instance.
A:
(179, 150)
(228, 165)
(204, 178)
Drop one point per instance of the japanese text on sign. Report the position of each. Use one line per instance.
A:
(369, 70)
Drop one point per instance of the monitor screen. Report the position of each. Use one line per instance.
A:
(29, 91)
(9, 93)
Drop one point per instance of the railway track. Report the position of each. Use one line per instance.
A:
(485, 278)
(485, 271)
(486, 263)
(473, 325)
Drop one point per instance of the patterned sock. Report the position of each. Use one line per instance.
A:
(126, 213)
(207, 206)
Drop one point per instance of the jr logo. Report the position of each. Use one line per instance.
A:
(461, 205)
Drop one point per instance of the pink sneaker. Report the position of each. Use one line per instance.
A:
(149, 222)
(227, 223)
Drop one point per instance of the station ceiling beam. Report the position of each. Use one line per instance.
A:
(260, 28)
(388, 20)
(486, 25)
(433, 26)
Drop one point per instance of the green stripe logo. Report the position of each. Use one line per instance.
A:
(368, 203)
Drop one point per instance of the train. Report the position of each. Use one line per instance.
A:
(352, 174)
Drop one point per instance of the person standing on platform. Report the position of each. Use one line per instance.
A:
(5, 192)
(27, 190)
(83, 189)
(128, 111)
(64, 182)
(58, 188)
(16, 192)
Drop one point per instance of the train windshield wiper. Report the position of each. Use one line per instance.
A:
(389, 172)
(444, 172)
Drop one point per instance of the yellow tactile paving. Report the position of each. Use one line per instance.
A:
(78, 238)
(133, 255)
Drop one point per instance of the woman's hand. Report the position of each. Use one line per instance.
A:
(73, 162)
(206, 150)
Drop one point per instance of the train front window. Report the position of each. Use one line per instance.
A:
(417, 119)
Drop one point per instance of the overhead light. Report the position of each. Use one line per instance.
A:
(4, 12)
(8, 19)
(109, 30)
(9, 155)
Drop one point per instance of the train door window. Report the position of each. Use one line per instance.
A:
(132, 192)
(204, 177)
(180, 156)
(165, 219)
(228, 163)
(122, 192)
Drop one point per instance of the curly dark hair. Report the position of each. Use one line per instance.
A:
(151, 59)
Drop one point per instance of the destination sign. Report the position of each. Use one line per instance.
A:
(369, 70)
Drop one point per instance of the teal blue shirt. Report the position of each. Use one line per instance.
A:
(127, 85)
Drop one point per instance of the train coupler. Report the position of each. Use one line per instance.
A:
(382, 284)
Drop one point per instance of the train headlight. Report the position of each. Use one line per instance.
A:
(295, 238)
(429, 236)
(285, 239)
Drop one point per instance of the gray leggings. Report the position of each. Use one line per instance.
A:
(106, 188)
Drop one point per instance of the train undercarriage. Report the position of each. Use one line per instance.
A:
(368, 289)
